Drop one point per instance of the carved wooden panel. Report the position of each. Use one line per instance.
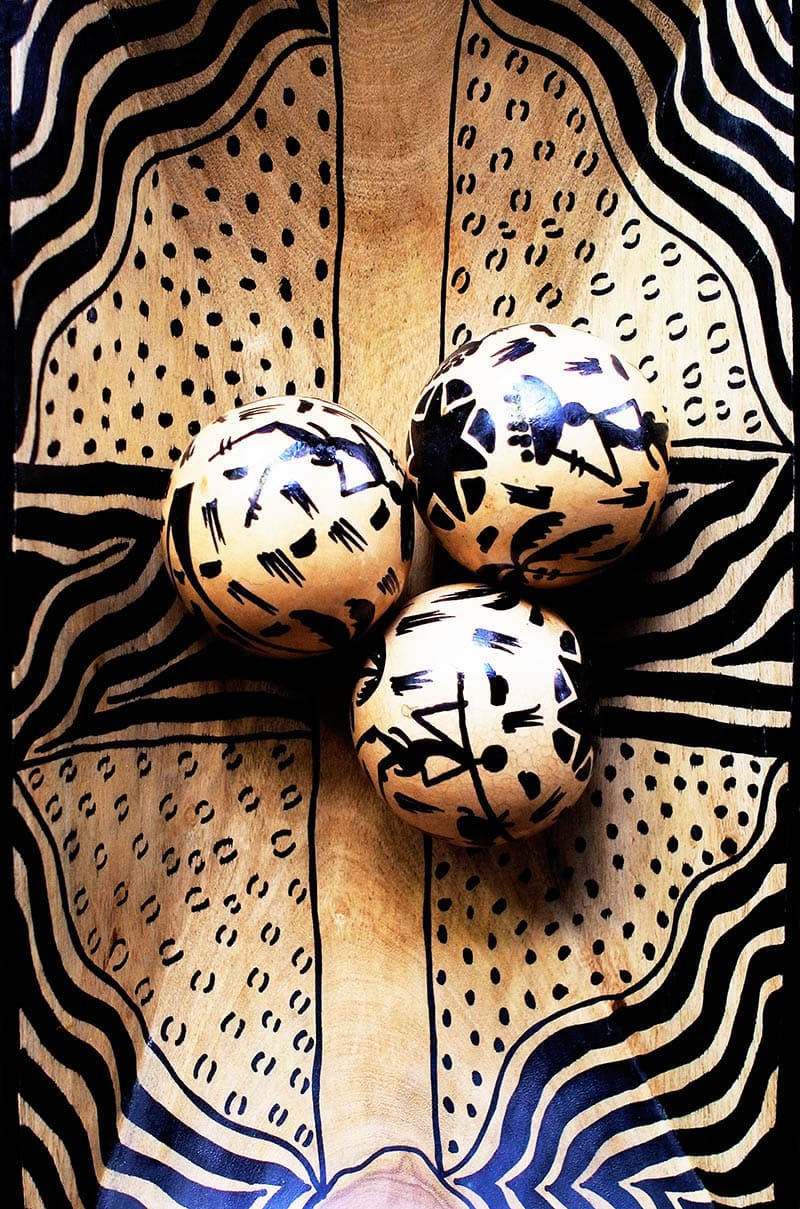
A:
(242, 980)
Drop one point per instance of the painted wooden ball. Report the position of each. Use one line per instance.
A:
(288, 526)
(471, 716)
(538, 455)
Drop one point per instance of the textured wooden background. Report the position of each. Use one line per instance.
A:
(242, 982)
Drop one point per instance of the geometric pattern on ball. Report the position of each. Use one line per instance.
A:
(471, 717)
(288, 526)
(537, 456)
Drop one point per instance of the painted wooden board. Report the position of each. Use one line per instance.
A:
(242, 980)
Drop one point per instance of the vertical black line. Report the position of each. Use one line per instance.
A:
(427, 925)
(314, 892)
(333, 26)
(449, 205)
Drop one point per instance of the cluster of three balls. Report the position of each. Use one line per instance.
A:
(536, 457)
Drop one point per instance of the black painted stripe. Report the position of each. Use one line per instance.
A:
(73, 1000)
(694, 730)
(656, 59)
(638, 1024)
(88, 46)
(69, 263)
(98, 479)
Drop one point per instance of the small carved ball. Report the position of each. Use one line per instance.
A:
(288, 526)
(471, 715)
(538, 456)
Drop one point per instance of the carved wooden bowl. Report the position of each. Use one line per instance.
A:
(242, 980)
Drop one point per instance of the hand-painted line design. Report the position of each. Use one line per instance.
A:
(496, 1098)
(195, 141)
(267, 909)
(340, 460)
(445, 742)
(684, 221)
(520, 404)
(96, 586)
(553, 1099)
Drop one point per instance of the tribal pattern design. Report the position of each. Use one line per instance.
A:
(239, 983)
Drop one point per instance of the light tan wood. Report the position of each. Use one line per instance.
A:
(243, 978)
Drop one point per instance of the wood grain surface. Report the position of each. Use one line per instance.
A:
(242, 981)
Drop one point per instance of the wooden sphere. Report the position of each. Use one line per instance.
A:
(470, 716)
(538, 455)
(288, 526)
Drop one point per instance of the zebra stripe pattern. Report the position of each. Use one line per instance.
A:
(584, 1046)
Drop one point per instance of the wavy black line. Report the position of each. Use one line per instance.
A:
(736, 896)
(208, 1157)
(140, 620)
(72, 260)
(732, 72)
(729, 67)
(88, 46)
(100, 480)
(736, 482)
(754, 1173)
(82, 531)
(776, 645)
(142, 671)
(727, 622)
(607, 1079)
(716, 540)
(686, 687)
(716, 1137)
(108, 630)
(692, 729)
(657, 60)
(65, 1046)
(36, 1160)
(781, 13)
(44, 1095)
(153, 70)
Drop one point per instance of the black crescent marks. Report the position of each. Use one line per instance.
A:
(305, 545)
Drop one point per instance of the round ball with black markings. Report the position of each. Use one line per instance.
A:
(538, 455)
(471, 717)
(288, 526)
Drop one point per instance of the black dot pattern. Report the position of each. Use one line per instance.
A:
(582, 252)
(229, 997)
(584, 909)
(225, 294)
